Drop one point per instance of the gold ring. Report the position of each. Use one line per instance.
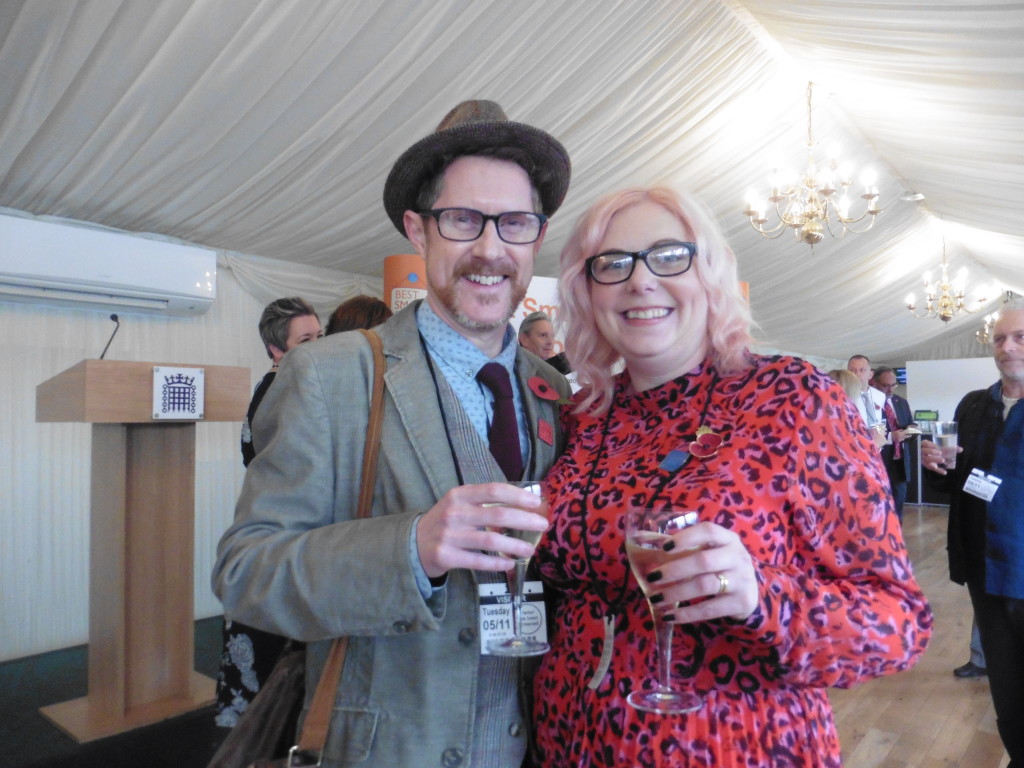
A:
(723, 583)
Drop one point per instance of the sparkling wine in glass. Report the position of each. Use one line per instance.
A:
(647, 531)
(518, 644)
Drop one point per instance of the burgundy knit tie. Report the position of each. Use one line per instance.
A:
(503, 435)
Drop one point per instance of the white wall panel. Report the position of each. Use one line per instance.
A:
(939, 385)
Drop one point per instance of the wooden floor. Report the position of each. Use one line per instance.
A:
(925, 717)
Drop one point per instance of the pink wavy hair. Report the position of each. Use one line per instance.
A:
(729, 321)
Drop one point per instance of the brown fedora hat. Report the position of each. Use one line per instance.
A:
(474, 126)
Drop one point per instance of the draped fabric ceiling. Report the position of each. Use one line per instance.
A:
(266, 128)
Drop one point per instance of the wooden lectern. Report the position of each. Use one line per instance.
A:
(141, 546)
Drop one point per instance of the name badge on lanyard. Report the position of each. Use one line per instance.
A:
(982, 486)
(496, 613)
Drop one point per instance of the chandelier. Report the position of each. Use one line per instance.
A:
(944, 299)
(984, 335)
(815, 203)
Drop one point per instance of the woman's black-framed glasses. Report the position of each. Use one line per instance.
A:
(665, 260)
(465, 224)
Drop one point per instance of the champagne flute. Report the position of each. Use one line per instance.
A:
(518, 644)
(647, 531)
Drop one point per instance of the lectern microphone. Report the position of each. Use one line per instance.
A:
(116, 328)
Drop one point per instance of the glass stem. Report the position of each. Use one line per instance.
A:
(518, 582)
(663, 635)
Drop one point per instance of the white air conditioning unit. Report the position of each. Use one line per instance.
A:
(44, 262)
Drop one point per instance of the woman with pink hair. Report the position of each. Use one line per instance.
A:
(797, 577)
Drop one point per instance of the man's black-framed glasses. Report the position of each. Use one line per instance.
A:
(665, 260)
(465, 224)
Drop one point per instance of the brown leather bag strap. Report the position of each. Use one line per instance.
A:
(371, 448)
(318, 720)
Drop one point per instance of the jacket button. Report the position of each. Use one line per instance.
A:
(467, 636)
(401, 627)
(515, 729)
(451, 758)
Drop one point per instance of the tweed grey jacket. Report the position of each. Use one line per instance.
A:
(296, 562)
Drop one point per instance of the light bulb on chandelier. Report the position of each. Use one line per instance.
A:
(817, 202)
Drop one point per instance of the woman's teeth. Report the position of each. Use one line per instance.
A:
(646, 314)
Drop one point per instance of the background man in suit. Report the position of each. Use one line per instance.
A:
(473, 198)
(897, 417)
(537, 334)
(986, 520)
(870, 402)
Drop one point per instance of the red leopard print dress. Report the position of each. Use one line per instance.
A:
(798, 479)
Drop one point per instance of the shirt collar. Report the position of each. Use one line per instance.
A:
(456, 350)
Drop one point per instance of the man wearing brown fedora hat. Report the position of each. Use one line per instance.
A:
(419, 686)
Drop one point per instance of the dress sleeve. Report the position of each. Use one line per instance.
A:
(842, 604)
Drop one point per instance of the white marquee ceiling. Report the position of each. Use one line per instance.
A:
(267, 127)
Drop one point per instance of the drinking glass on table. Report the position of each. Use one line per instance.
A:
(518, 644)
(647, 531)
(944, 435)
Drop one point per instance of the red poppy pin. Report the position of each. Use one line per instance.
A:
(540, 387)
(705, 444)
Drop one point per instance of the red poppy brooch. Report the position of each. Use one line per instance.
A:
(542, 389)
(705, 444)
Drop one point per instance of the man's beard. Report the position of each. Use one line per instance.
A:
(1008, 373)
(448, 296)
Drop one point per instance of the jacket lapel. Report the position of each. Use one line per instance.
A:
(542, 416)
(411, 390)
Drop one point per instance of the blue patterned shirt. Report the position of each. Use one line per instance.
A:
(460, 360)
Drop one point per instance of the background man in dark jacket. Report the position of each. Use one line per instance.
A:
(986, 520)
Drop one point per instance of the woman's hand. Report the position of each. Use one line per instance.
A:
(715, 570)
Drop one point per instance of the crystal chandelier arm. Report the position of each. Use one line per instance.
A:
(772, 233)
(848, 228)
(926, 313)
(929, 310)
(847, 220)
(962, 307)
(758, 220)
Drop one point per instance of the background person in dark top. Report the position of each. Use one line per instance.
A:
(284, 324)
(249, 654)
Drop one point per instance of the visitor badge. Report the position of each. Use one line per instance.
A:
(981, 485)
(496, 613)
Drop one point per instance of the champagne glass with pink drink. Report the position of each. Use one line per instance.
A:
(647, 531)
(519, 644)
